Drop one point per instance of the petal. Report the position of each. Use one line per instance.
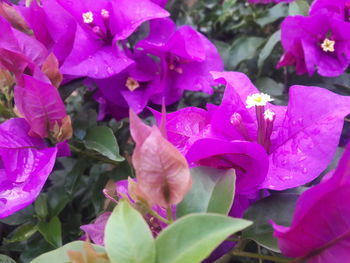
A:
(248, 158)
(307, 141)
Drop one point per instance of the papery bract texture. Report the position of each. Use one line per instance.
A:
(316, 43)
(302, 140)
(129, 88)
(95, 52)
(19, 51)
(320, 228)
(186, 58)
(162, 173)
(306, 141)
(96, 230)
(338, 8)
(52, 25)
(25, 164)
(42, 106)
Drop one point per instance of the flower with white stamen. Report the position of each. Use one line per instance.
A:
(258, 99)
(88, 17)
(104, 13)
(269, 115)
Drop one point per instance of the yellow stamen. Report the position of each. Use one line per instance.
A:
(88, 17)
(328, 45)
(132, 84)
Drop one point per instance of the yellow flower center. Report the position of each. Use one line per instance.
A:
(328, 45)
(132, 84)
(88, 17)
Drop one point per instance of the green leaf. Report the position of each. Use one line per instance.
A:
(20, 217)
(212, 191)
(299, 7)
(60, 255)
(40, 206)
(6, 259)
(278, 207)
(21, 233)
(244, 48)
(192, 238)
(102, 140)
(276, 12)
(269, 46)
(128, 238)
(51, 231)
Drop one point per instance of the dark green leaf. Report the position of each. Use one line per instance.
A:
(244, 48)
(20, 217)
(192, 238)
(51, 231)
(21, 233)
(278, 207)
(40, 206)
(274, 13)
(269, 46)
(212, 191)
(102, 140)
(128, 238)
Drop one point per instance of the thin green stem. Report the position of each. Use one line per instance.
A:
(154, 214)
(233, 239)
(259, 256)
(169, 215)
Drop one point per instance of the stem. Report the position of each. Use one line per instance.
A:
(259, 251)
(169, 215)
(233, 239)
(77, 150)
(154, 214)
(259, 256)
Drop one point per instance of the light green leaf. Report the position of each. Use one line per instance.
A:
(102, 140)
(128, 238)
(60, 255)
(51, 231)
(212, 191)
(299, 7)
(6, 259)
(269, 46)
(278, 207)
(192, 238)
(243, 48)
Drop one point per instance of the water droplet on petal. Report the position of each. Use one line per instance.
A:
(300, 121)
(304, 170)
(294, 123)
(284, 162)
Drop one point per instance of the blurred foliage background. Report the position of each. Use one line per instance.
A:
(247, 37)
